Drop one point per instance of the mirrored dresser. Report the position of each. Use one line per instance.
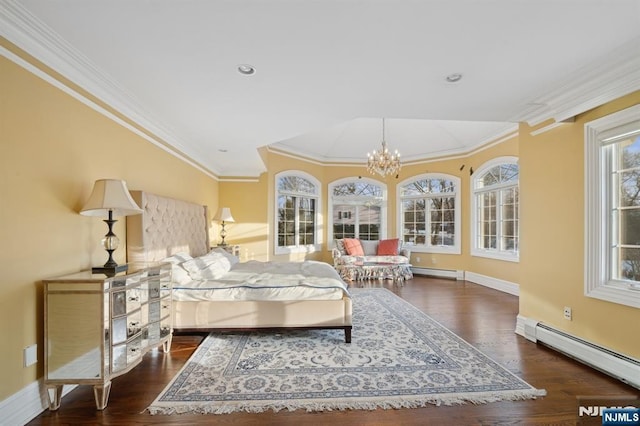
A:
(98, 327)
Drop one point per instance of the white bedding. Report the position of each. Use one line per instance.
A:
(262, 281)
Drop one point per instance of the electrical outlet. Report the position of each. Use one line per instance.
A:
(418, 259)
(30, 355)
(567, 313)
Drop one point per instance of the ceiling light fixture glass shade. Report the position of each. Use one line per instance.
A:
(383, 162)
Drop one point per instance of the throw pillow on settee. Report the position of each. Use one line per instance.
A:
(352, 250)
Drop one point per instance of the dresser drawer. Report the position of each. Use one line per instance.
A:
(134, 350)
(125, 301)
(124, 328)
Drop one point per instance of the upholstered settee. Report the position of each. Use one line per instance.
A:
(356, 259)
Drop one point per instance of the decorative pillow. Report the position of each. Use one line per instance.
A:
(353, 247)
(211, 266)
(388, 247)
(369, 247)
(340, 246)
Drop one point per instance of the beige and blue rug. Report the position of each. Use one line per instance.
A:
(399, 357)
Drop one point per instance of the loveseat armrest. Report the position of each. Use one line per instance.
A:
(405, 251)
(335, 253)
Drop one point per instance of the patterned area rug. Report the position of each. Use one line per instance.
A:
(399, 357)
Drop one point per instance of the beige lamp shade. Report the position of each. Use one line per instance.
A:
(110, 194)
(224, 215)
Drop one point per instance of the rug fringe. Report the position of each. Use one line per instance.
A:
(326, 405)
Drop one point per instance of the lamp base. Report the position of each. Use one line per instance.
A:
(109, 270)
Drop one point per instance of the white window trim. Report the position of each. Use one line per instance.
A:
(383, 206)
(597, 208)
(308, 248)
(457, 247)
(475, 250)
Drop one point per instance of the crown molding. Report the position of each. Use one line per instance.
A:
(32, 36)
(612, 76)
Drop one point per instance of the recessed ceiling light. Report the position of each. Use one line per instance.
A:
(246, 69)
(454, 78)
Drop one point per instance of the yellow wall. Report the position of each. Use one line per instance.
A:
(52, 149)
(552, 234)
(250, 229)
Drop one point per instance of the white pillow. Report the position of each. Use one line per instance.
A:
(179, 275)
(370, 247)
(211, 266)
(232, 259)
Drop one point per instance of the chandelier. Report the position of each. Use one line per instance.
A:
(383, 162)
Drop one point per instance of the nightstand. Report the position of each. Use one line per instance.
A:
(97, 327)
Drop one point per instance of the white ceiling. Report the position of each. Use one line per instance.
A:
(329, 70)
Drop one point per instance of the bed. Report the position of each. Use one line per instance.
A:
(177, 231)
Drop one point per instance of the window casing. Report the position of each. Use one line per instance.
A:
(297, 207)
(358, 209)
(612, 207)
(429, 212)
(495, 210)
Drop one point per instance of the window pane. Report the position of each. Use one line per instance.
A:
(502, 173)
(286, 219)
(306, 220)
(629, 264)
(344, 218)
(630, 188)
(296, 184)
(630, 227)
(357, 188)
(427, 186)
(369, 222)
(487, 220)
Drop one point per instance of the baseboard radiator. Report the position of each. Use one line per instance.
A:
(623, 368)
(438, 273)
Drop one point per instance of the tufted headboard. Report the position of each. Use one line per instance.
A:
(165, 227)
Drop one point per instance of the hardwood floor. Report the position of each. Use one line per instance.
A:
(485, 318)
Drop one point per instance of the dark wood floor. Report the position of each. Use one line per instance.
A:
(485, 318)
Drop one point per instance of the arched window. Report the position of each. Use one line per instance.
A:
(297, 207)
(430, 213)
(357, 209)
(496, 209)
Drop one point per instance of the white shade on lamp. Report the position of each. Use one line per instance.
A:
(110, 194)
(110, 197)
(224, 215)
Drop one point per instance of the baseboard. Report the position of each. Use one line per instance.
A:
(25, 405)
(494, 283)
(622, 367)
(439, 273)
